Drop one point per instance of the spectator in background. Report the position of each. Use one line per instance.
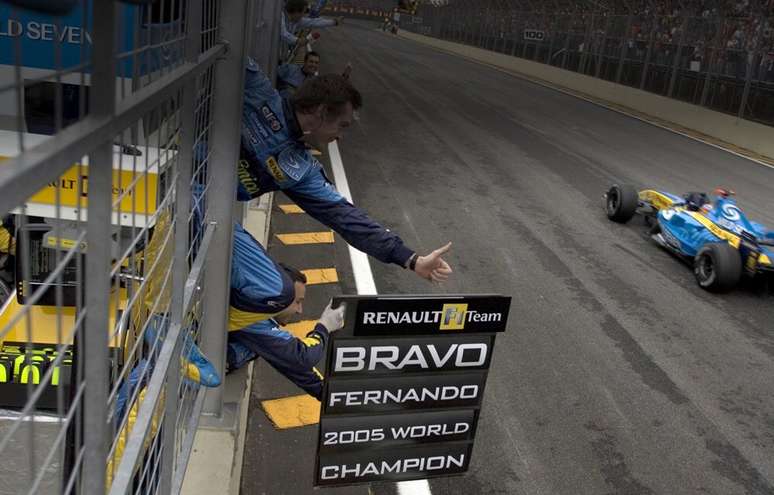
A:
(294, 22)
(294, 357)
(395, 20)
(276, 134)
(317, 7)
(291, 76)
(767, 68)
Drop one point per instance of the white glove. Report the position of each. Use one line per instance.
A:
(333, 319)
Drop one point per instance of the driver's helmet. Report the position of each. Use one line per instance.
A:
(694, 201)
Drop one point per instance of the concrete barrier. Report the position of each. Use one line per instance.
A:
(727, 129)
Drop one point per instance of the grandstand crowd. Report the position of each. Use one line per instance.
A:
(717, 35)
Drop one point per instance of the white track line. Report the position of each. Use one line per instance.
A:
(580, 96)
(364, 280)
(416, 487)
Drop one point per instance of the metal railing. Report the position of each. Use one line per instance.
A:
(706, 53)
(113, 117)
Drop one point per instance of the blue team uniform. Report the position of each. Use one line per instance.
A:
(260, 288)
(289, 78)
(293, 357)
(273, 157)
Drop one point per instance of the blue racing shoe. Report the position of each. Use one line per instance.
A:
(196, 367)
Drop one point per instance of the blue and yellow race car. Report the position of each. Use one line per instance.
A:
(711, 232)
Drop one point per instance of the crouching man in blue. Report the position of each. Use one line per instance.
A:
(276, 134)
(291, 76)
(260, 287)
(293, 357)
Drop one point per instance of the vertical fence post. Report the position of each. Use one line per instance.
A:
(482, 28)
(266, 32)
(527, 15)
(587, 37)
(567, 42)
(624, 48)
(602, 45)
(96, 370)
(183, 167)
(471, 25)
(463, 22)
(226, 124)
(751, 63)
(648, 55)
(504, 32)
(552, 23)
(514, 34)
(678, 57)
(99, 206)
(713, 61)
(456, 31)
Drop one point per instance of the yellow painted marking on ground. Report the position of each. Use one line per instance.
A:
(300, 328)
(292, 412)
(291, 208)
(321, 276)
(306, 238)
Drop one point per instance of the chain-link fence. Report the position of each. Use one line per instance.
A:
(112, 116)
(714, 53)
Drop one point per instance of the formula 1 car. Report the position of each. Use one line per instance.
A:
(713, 234)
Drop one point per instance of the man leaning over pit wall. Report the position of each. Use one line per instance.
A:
(276, 136)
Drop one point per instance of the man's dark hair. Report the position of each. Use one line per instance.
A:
(333, 91)
(311, 53)
(295, 6)
(295, 275)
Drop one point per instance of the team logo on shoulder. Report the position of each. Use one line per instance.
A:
(294, 162)
(271, 118)
(291, 158)
(275, 169)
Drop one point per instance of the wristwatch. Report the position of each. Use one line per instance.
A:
(412, 262)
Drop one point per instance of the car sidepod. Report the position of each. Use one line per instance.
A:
(683, 233)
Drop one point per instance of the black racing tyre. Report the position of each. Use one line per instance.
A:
(621, 202)
(717, 267)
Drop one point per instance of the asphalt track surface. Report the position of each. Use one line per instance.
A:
(617, 374)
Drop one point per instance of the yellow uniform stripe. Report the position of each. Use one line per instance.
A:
(311, 341)
(300, 329)
(316, 152)
(290, 209)
(238, 319)
(317, 372)
(321, 276)
(306, 238)
(292, 412)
